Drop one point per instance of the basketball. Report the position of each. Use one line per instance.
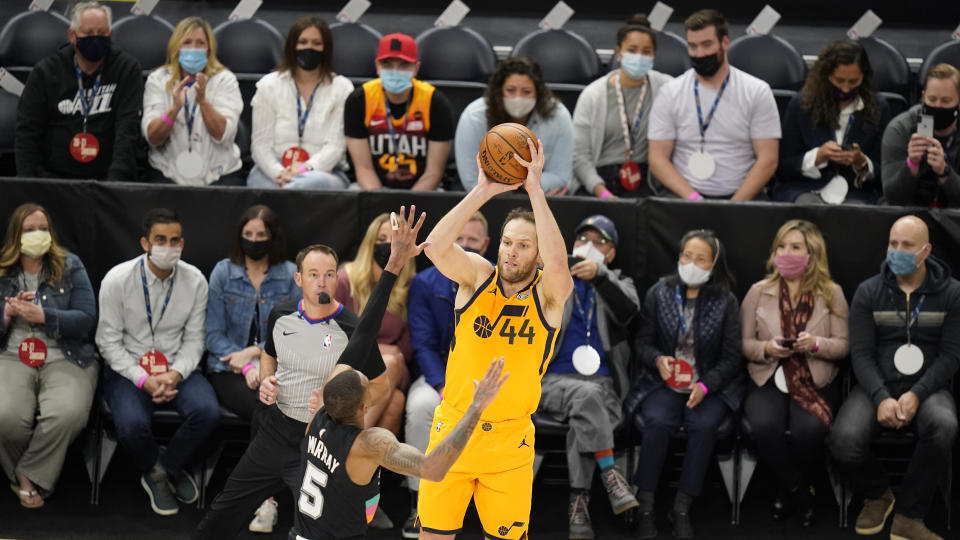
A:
(497, 149)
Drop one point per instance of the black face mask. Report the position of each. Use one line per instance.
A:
(842, 96)
(93, 48)
(323, 298)
(381, 253)
(942, 116)
(255, 250)
(707, 66)
(309, 58)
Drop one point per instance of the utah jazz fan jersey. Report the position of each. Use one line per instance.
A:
(489, 326)
(400, 155)
(330, 505)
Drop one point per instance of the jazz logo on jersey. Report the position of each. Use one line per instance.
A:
(327, 341)
(504, 530)
(484, 328)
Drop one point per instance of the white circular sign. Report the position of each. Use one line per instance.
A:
(189, 164)
(780, 380)
(702, 165)
(586, 360)
(908, 359)
(835, 192)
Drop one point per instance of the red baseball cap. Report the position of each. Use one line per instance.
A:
(399, 46)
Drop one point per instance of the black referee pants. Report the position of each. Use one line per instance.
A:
(272, 461)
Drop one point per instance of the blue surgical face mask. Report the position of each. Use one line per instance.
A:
(636, 65)
(193, 60)
(903, 263)
(396, 81)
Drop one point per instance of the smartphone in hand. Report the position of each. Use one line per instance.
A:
(572, 260)
(788, 342)
(925, 126)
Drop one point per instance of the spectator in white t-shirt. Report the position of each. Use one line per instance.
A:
(297, 140)
(714, 131)
(191, 106)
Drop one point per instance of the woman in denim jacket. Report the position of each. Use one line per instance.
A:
(47, 357)
(243, 289)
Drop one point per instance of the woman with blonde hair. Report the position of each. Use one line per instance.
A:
(794, 335)
(191, 106)
(355, 282)
(47, 357)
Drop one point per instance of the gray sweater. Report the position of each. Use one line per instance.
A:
(902, 188)
(588, 127)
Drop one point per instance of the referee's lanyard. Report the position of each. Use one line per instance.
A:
(87, 105)
(394, 138)
(146, 301)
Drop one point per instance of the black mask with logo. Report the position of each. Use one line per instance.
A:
(942, 116)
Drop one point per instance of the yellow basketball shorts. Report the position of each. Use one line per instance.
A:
(495, 469)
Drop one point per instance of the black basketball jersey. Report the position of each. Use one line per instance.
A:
(331, 506)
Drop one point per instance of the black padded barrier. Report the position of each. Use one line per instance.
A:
(100, 222)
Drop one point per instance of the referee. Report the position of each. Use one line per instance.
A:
(304, 343)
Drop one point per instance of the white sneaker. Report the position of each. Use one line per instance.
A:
(265, 517)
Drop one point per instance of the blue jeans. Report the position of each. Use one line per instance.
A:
(308, 180)
(936, 427)
(664, 411)
(132, 409)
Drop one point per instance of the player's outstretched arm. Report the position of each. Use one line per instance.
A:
(383, 447)
(557, 282)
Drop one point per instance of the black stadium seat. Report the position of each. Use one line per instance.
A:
(8, 125)
(945, 53)
(455, 53)
(30, 37)
(563, 56)
(891, 73)
(145, 37)
(248, 46)
(355, 50)
(770, 58)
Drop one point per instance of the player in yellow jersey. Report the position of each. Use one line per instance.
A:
(512, 310)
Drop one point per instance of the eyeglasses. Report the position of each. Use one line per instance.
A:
(598, 241)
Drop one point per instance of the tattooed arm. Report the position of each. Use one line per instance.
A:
(384, 449)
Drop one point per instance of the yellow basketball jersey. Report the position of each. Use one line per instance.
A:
(489, 326)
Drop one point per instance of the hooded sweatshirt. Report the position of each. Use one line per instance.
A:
(878, 327)
(50, 114)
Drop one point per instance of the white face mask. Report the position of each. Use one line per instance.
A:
(165, 257)
(589, 252)
(35, 243)
(518, 107)
(693, 275)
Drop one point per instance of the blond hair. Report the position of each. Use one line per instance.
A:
(179, 35)
(816, 278)
(360, 273)
(54, 260)
(943, 71)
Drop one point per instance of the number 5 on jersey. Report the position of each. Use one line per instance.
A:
(311, 497)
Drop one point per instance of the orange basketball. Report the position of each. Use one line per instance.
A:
(498, 148)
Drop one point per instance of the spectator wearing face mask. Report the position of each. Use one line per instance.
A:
(78, 114)
(398, 127)
(920, 170)
(355, 281)
(297, 139)
(191, 106)
(47, 359)
(610, 121)
(714, 130)
(516, 92)
(830, 151)
(150, 334)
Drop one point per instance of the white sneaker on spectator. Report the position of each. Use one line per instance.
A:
(265, 517)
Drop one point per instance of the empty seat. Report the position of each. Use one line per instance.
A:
(945, 53)
(891, 73)
(249, 45)
(30, 37)
(564, 57)
(455, 53)
(769, 58)
(145, 37)
(897, 102)
(355, 50)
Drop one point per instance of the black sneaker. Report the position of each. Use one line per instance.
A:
(411, 529)
(682, 525)
(162, 499)
(185, 488)
(647, 528)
